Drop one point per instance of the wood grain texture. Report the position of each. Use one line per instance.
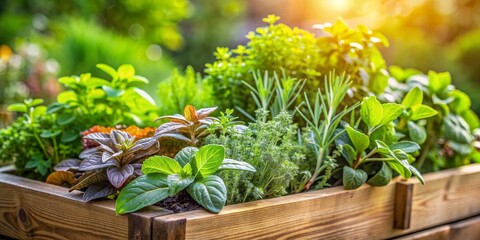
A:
(446, 197)
(437, 233)
(32, 209)
(466, 230)
(367, 212)
(403, 205)
(140, 223)
(169, 229)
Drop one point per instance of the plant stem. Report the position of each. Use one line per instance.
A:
(318, 169)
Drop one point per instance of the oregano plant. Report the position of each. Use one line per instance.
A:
(192, 169)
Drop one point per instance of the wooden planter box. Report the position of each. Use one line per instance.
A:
(32, 209)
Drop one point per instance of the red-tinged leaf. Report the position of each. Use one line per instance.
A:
(204, 112)
(119, 175)
(175, 136)
(62, 178)
(98, 191)
(137, 169)
(68, 164)
(175, 118)
(89, 179)
(85, 153)
(190, 113)
(168, 127)
(143, 144)
(94, 161)
(117, 137)
(100, 138)
(109, 156)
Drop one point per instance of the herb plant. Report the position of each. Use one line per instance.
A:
(34, 142)
(110, 166)
(192, 169)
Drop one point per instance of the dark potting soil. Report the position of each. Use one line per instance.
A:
(182, 202)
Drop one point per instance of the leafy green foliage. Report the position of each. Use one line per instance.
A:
(180, 90)
(165, 177)
(438, 117)
(92, 101)
(270, 146)
(323, 121)
(277, 48)
(34, 142)
(114, 163)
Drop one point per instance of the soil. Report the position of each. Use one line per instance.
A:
(182, 202)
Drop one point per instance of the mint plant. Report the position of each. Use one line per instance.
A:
(391, 154)
(192, 169)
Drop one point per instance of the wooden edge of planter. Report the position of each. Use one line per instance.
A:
(447, 196)
(335, 212)
(34, 209)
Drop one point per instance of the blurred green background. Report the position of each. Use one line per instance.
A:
(44, 39)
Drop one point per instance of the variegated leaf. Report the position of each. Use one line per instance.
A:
(68, 164)
(118, 175)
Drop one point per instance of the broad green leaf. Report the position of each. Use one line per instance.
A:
(186, 155)
(69, 135)
(461, 102)
(207, 160)
(65, 118)
(391, 111)
(230, 164)
(161, 164)
(112, 92)
(126, 71)
(141, 192)
(186, 170)
(108, 70)
(379, 82)
(398, 167)
(94, 82)
(438, 82)
(406, 146)
(50, 134)
(413, 97)
(402, 159)
(382, 177)
(417, 133)
(210, 192)
(55, 107)
(371, 111)
(471, 118)
(33, 102)
(382, 147)
(349, 153)
(144, 95)
(177, 183)
(421, 112)
(360, 140)
(353, 178)
(417, 174)
(17, 107)
(456, 129)
(67, 97)
(39, 111)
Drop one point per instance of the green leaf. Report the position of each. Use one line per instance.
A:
(417, 133)
(186, 170)
(353, 178)
(371, 111)
(67, 97)
(360, 140)
(471, 118)
(161, 164)
(382, 177)
(18, 107)
(438, 82)
(39, 111)
(421, 112)
(210, 192)
(55, 107)
(144, 95)
(33, 102)
(141, 192)
(417, 174)
(398, 167)
(391, 111)
(108, 70)
(126, 71)
(456, 129)
(461, 102)
(207, 160)
(50, 134)
(406, 146)
(186, 155)
(402, 159)
(413, 97)
(177, 183)
(69, 135)
(348, 153)
(112, 92)
(65, 118)
(230, 164)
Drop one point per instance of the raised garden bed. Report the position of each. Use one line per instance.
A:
(32, 209)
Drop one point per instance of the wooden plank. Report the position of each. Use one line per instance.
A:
(403, 205)
(367, 212)
(169, 229)
(33, 209)
(140, 223)
(438, 233)
(466, 230)
(446, 197)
